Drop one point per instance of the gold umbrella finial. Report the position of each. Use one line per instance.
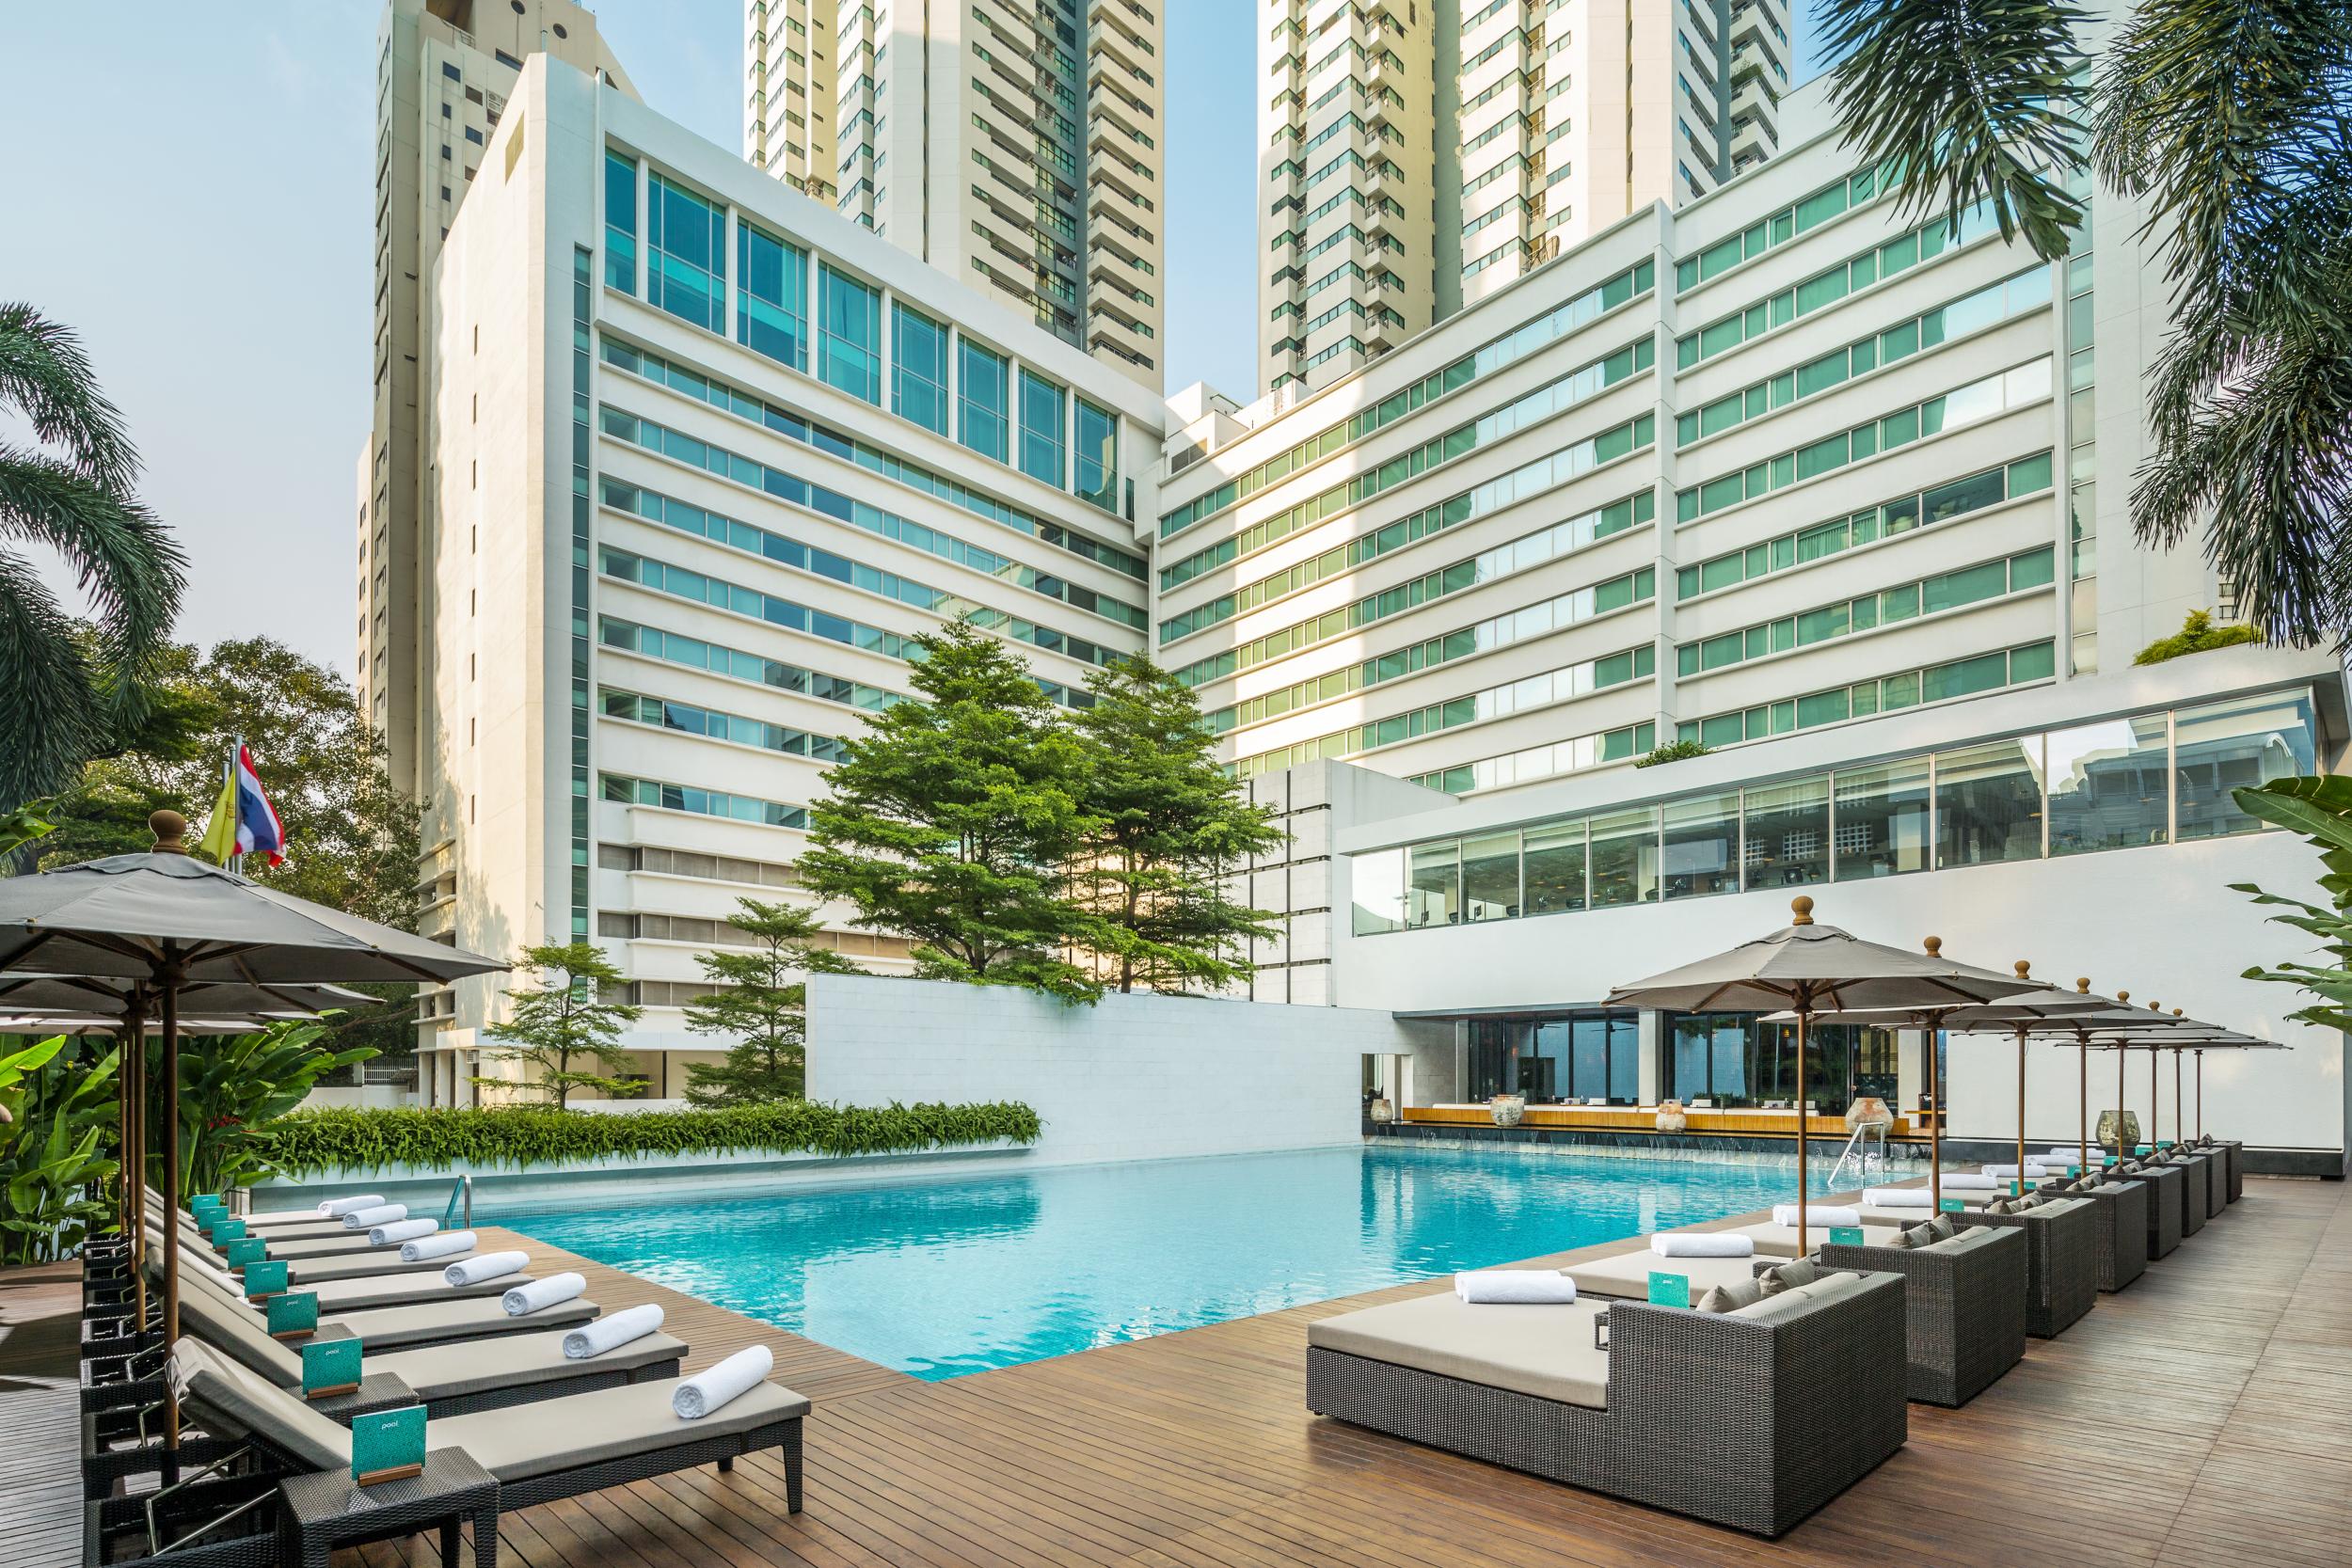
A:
(170, 830)
(2176, 1012)
(2082, 985)
(2024, 968)
(1934, 946)
(2123, 996)
(1801, 910)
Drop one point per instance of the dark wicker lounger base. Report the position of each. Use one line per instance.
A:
(1746, 1424)
(2167, 1190)
(2196, 1194)
(2123, 1255)
(1964, 1308)
(2061, 1269)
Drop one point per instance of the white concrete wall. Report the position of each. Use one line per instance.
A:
(1133, 1077)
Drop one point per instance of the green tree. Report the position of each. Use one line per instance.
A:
(552, 1026)
(953, 820)
(2198, 634)
(2320, 809)
(2224, 120)
(66, 691)
(761, 1002)
(1167, 827)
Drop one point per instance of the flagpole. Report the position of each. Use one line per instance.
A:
(229, 778)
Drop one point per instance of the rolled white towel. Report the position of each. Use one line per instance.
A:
(401, 1230)
(368, 1219)
(1518, 1287)
(448, 1243)
(552, 1291)
(2011, 1170)
(611, 1331)
(705, 1391)
(491, 1265)
(336, 1208)
(1898, 1197)
(1703, 1244)
(1817, 1214)
(1964, 1182)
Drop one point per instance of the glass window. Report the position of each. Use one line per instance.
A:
(1491, 877)
(1043, 454)
(1432, 890)
(2227, 746)
(849, 335)
(772, 296)
(1988, 803)
(1702, 845)
(1098, 457)
(1710, 1057)
(1624, 858)
(918, 368)
(1494, 1058)
(620, 222)
(1377, 894)
(2107, 784)
(1554, 858)
(1882, 820)
(983, 405)
(1787, 842)
(686, 253)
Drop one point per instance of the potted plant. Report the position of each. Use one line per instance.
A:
(1508, 1109)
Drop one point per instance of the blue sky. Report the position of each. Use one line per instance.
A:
(208, 234)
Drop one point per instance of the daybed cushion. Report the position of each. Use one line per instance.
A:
(1626, 1274)
(611, 1423)
(1546, 1350)
(388, 1327)
(1789, 1302)
(1780, 1241)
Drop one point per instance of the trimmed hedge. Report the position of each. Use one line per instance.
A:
(308, 1142)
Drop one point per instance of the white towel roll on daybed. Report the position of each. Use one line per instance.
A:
(705, 1391)
(2031, 1170)
(1817, 1214)
(491, 1265)
(611, 1331)
(553, 1291)
(1514, 1287)
(336, 1208)
(1963, 1182)
(401, 1230)
(1898, 1197)
(1705, 1243)
(448, 1243)
(368, 1219)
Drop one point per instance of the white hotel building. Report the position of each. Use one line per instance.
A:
(1842, 496)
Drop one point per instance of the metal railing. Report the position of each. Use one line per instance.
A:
(1858, 1149)
(460, 1200)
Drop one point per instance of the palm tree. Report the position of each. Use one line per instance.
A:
(66, 688)
(2225, 119)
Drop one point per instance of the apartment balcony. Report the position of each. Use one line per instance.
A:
(1112, 27)
(1107, 203)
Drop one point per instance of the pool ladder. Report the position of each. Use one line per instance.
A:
(1867, 1149)
(460, 1200)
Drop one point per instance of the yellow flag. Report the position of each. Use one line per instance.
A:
(220, 833)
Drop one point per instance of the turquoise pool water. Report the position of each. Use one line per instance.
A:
(945, 1277)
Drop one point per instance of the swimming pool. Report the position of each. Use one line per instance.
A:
(946, 1278)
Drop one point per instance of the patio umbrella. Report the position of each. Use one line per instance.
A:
(1810, 969)
(2022, 1016)
(166, 919)
(2173, 1033)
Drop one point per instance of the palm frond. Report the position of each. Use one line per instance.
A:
(47, 702)
(46, 373)
(1970, 100)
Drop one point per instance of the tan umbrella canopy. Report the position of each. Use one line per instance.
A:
(1810, 969)
(2157, 1032)
(165, 920)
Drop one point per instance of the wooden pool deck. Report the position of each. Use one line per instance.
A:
(2203, 1414)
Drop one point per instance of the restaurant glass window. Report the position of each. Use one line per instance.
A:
(1702, 845)
(1882, 819)
(1829, 1054)
(1492, 1064)
(2107, 784)
(1432, 894)
(1785, 842)
(1377, 895)
(1624, 858)
(1988, 803)
(1710, 1057)
(2227, 746)
(1553, 857)
(1491, 877)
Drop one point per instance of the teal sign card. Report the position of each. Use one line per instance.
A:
(387, 1445)
(264, 1279)
(225, 1231)
(1669, 1289)
(1844, 1235)
(208, 1208)
(331, 1367)
(294, 1315)
(2074, 1170)
(1951, 1206)
(246, 1249)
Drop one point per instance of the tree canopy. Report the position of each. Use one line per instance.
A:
(761, 1002)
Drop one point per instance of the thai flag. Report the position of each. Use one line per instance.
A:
(258, 831)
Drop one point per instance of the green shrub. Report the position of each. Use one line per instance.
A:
(1672, 752)
(2198, 634)
(308, 1142)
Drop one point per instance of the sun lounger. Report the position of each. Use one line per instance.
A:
(2168, 1196)
(473, 1374)
(1750, 1418)
(2123, 1255)
(1624, 1275)
(316, 1270)
(1780, 1241)
(1964, 1307)
(2061, 1266)
(365, 1293)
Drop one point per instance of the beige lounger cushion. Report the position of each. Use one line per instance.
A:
(316, 1270)
(390, 1327)
(1626, 1274)
(468, 1367)
(610, 1423)
(1786, 1303)
(223, 1392)
(1780, 1241)
(1544, 1351)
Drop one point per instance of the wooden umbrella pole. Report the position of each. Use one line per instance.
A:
(1805, 1011)
(132, 1060)
(2176, 1096)
(2156, 1101)
(2200, 1094)
(2082, 1114)
(2021, 1110)
(1936, 1121)
(168, 981)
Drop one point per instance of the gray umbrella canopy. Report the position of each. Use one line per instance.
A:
(89, 996)
(1811, 969)
(2188, 1038)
